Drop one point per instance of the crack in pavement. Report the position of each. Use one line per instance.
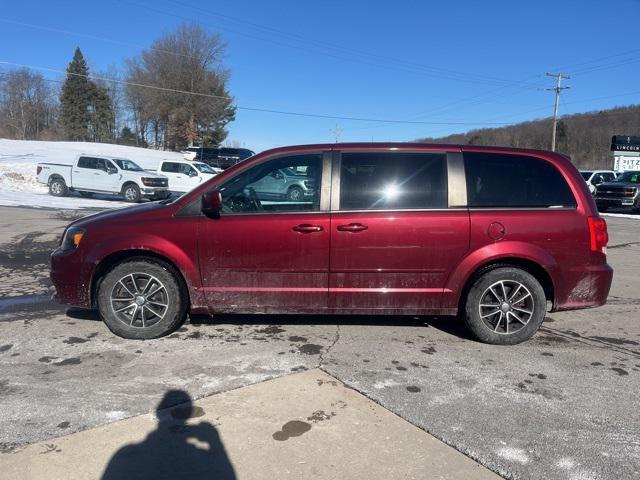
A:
(623, 245)
(335, 340)
(590, 341)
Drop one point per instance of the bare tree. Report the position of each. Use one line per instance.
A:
(27, 104)
(191, 103)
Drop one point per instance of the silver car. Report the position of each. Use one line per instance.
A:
(284, 183)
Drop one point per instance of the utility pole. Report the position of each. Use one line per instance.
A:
(559, 77)
(336, 132)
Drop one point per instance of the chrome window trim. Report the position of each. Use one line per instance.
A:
(502, 209)
(335, 181)
(457, 180)
(326, 180)
(397, 210)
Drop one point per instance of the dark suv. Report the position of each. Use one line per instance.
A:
(217, 157)
(494, 235)
(623, 192)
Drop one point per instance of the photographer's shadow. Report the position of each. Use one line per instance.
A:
(176, 449)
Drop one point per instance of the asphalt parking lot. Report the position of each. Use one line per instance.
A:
(563, 405)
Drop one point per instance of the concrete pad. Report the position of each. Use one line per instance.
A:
(307, 425)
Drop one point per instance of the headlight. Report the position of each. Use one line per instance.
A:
(71, 238)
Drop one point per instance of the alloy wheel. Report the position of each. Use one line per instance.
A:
(130, 194)
(506, 307)
(139, 300)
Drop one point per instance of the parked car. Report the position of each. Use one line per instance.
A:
(183, 175)
(285, 183)
(623, 192)
(91, 174)
(596, 177)
(494, 235)
(217, 157)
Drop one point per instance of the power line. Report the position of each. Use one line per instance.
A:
(253, 109)
(91, 37)
(406, 68)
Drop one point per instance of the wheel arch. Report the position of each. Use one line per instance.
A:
(55, 176)
(532, 267)
(528, 256)
(107, 263)
(128, 182)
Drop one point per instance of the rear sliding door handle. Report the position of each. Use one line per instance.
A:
(307, 228)
(352, 227)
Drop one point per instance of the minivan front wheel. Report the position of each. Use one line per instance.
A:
(505, 306)
(141, 299)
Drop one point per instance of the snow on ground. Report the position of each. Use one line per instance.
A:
(625, 214)
(18, 160)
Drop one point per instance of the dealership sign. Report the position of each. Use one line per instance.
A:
(622, 143)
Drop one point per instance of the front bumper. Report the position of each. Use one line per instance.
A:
(71, 278)
(155, 193)
(615, 202)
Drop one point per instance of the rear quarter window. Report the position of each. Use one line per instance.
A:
(514, 181)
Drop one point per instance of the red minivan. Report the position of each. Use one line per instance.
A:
(495, 236)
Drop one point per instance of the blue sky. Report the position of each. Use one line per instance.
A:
(466, 62)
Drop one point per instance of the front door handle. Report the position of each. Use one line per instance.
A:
(307, 228)
(352, 227)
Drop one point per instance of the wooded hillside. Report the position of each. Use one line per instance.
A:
(586, 137)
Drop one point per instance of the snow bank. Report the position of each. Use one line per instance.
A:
(18, 160)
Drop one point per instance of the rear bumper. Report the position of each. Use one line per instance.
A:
(587, 288)
(71, 278)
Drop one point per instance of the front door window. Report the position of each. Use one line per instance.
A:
(286, 184)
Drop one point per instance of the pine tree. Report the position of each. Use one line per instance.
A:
(102, 118)
(75, 99)
(127, 137)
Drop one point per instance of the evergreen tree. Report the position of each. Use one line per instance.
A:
(127, 137)
(75, 99)
(102, 117)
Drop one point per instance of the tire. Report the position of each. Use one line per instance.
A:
(142, 299)
(87, 194)
(487, 322)
(131, 193)
(295, 194)
(57, 187)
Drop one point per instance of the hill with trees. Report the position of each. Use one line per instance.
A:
(586, 137)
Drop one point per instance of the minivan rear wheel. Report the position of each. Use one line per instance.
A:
(505, 306)
(142, 299)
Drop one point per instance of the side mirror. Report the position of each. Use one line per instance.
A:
(111, 170)
(192, 173)
(212, 203)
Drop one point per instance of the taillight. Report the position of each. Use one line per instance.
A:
(598, 234)
(38, 170)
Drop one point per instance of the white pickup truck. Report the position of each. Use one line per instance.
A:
(91, 174)
(184, 175)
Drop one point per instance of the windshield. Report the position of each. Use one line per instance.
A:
(629, 177)
(586, 174)
(127, 165)
(204, 168)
